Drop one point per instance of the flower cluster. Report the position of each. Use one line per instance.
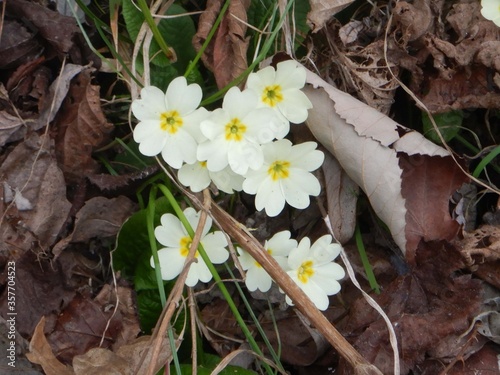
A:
(239, 146)
(311, 267)
(490, 9)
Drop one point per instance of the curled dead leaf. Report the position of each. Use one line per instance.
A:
(368, 146)
(225, 56)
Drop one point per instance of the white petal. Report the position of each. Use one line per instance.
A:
(227, 181)
(215, 153)
(244, 155)
(215, 246)
(214, 126)
(259, 80)
(179, 148)
(270, 197)
(153, 144)
(193, 217)
(306, 157)
(200, 272)
(329, 271)
(239, 103)
(262, 125)
(192, 124)
(329, 285)
(171, 263)
(170, 232)
(254, 180)
(324, 251)
(182, 97)
(299, 254)
(146, 129)
(294, 106)
(195, 176)
(298, 187)
(245, 259)
(280, 244)
(290, 75)
(151, 105)
(258, 278)
(316, 294)
(279, 150)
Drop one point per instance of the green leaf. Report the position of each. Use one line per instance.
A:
(177, 32)
(149, 308)
(448, 123)
(187, 369)
(302, 7)
(132, 244)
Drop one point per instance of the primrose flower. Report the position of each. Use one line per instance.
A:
(285, 176)
(278, 246)
(280, 89)
(491, 10)
(172, 234)
(198, 177)
(313, 270)
(169, 122)
(235, 133)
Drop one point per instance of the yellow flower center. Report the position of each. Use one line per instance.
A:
(185, 244)
(170, 121)
(203, 164)
(235, 130)
(272, 95)
(305, 271)
(279, 170)
(257, 264)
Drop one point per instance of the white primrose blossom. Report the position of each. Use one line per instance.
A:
(491, 10)
(197, 177)
(169, 122)
(278, 246)
(285, 176)
(314, 271)
(235, 133)
(172, 234)
(280, 90)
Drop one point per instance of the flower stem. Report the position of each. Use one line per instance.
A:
(152, 243)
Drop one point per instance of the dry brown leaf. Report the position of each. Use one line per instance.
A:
(82, 127)
(31, 170)
(322, 10)
(57, 92)
(226, 54)
(56, 29)
(81, 326)
(125, 361)
(18, 46)
(40, 285)
(430, 308)
(41, 353)
(99, 217)
(366, 143)
(427, 184)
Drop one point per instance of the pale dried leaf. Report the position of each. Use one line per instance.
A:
(322, 10)
(341, 196)
(372, 166)
(41, 353)
(125, 361)
(366, 142)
